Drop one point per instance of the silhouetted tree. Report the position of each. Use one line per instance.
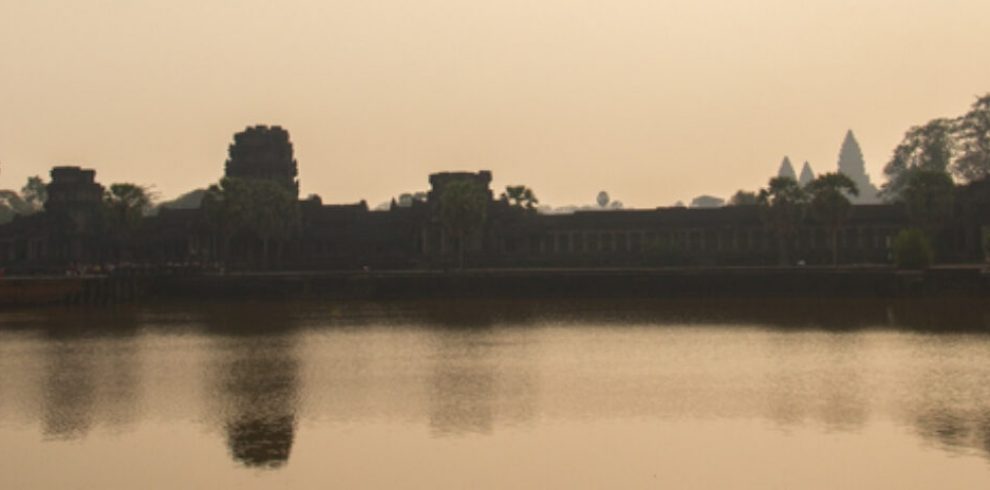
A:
(743, 198)
(707, 202)
(463, 209)
(602, 199)
(520, 196)
(125, 204)
(222, 215)
(830, 205)
(912, 249)
(928, 198)
(35, 193)
(273, 215)
(973, 134)
(783, 206)
(264, 208)
(928, 148)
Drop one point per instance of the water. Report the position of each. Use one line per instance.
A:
(481, 394)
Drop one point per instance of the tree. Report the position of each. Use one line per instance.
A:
(928, 147)
(912, 249)
(35, 193)
(223, 214)
(743, 198)
(520, 196)
(705, 201)
(463, 209)
(783, 206)
(264, 208)
(830, 206)
(125, 204)
(928, 197)
(272, 215)
(973, 135)
(602, 199)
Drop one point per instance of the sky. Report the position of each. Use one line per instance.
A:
(654, 101)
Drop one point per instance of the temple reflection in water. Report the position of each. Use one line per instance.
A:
(257, 375)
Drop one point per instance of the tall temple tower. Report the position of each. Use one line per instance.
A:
(852, 165)
(807, 175)
(786, 169)
(263, 152)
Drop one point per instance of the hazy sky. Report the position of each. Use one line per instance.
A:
(652, 100)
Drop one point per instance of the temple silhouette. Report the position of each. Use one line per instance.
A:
(411, 235)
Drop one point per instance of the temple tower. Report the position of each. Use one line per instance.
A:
(851, 164)
(263, 152)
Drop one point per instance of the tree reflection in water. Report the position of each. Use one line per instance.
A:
(257, 387)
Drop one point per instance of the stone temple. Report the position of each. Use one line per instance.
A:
(851, 164)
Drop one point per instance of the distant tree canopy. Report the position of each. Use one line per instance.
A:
(830, 206)
(520, 196)
(263, 208)
(972, 131)
(706, 201)
(35, 193)
(602, 199)
(912, 249)
(928, 197)
(124, 207)
(126, 204)
(407, 199)
(959, 146)
(927, 148)
(783, 207)
(463, 210)
(30, 200)
(743, 198)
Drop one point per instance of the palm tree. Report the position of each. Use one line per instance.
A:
(520, 196)
(783, 205)
(125, 204)
(223, 216)
(830, 204)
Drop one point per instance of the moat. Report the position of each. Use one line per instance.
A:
(555, 393)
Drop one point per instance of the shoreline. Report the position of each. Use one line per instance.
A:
(723, 282)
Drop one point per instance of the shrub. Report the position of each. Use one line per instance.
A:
(912, 250)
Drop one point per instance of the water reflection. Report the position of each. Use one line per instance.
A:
(257, 382)
(90, 373)
(479, 377)
(476, 369)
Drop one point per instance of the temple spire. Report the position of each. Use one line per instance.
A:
(851, 164)
(807, 175)
(786, 169)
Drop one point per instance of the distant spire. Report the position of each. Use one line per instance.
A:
(786, 169)
(851, 164)
(807, 175)
(851, 157)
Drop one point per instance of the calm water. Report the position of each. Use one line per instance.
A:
(582, 394)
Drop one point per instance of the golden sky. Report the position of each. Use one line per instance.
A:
(654, 101)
